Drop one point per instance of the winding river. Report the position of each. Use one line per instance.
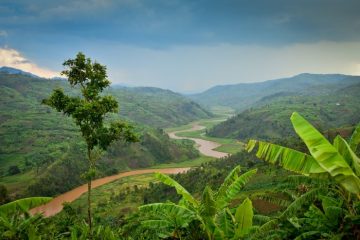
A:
(55, 205)
(204, 146)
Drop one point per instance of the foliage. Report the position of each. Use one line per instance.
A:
(16, 222)
(336, 163)
(211, 213)
(23, 205)
(325, 159)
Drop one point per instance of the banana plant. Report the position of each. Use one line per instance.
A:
(212, 212)
(15, 220)
(336, 161)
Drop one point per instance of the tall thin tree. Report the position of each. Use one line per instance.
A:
(89, 110)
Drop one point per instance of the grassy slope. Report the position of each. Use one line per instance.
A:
(269, 120)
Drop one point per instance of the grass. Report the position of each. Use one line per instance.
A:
(104, 197)
(231, 148)
(19, 182)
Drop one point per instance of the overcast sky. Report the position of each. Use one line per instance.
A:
(185, 46)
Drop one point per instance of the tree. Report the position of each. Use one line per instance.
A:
(89, 111)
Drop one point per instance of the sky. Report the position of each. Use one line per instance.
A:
(183, 45)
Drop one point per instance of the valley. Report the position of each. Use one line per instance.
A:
(205, 147)
(179, 120)
(198, 147)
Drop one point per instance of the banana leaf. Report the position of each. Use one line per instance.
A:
(326, 155)
(24, 204)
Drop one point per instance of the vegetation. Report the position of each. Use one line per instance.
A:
(212, 200)
(211, 214)
(337, 216)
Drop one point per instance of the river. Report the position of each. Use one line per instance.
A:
(204, 146)
(56, 204)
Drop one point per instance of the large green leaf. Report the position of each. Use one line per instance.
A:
(179, 189)
(24, 204)
(300, 202)
(244, 217)
(326, 154)
(288, 158)
(230, 178)
(234, 189)
(345, 150)
(168, 210)
(355, 138)
(208, 204)
(225, 222)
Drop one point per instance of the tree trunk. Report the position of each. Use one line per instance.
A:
(89, 209)
(89, 194)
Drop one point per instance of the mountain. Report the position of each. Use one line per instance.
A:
(269, 118)
(10, 70)
(244, 95)
(46, 146)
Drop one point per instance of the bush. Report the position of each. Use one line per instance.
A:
(13, 170)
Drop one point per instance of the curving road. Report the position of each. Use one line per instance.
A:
(56, 205)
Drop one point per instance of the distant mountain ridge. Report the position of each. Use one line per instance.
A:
(243, 95)
(10, 70)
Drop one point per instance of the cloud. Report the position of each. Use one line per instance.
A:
(3, 33)
(12, 58)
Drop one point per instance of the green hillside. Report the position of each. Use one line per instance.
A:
(268, 119)
(157, 107)
(243, 96)
(42, 148)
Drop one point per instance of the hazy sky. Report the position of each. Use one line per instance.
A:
(184, 45)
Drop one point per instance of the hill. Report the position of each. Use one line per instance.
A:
(244, 95)
(157, 107)
(41, 147)
(268, 119)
